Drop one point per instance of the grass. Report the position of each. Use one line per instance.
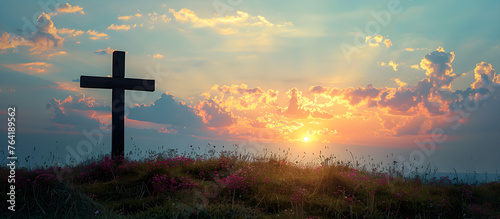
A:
(234, 185)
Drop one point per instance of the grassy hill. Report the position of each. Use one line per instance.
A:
(240, 186)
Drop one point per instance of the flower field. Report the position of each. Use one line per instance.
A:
(232, 185)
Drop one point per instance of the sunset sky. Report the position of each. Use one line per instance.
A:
(412, 80)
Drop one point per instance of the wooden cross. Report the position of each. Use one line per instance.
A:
(118, 83)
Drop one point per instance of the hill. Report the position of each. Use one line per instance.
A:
(233, 185)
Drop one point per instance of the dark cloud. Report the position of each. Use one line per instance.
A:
(65, 118)
(357, 95)
(166, 110)
(213, 115)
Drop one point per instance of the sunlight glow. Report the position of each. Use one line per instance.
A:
(306, 138)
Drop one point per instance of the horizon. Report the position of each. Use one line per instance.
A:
(406, 81)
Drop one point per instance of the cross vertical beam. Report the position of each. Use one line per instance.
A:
(118, 107)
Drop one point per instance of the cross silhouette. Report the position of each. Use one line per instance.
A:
(118, 84)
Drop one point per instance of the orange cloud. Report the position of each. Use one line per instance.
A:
(104, 51)
(45, 37)
(485, 76)
(71, 86)
(167, 130)
(67, 8)
(78, 112)
(118, 27)
(391, 63)
(95, 35)
(417, 67)
(158, 56)
(30, 68)
(9, 41)
(212, 114)
(70, 32)
(56, 54)
(388, 43)
(124, 17)
(377, 40)
(227, 24)
(155, 17)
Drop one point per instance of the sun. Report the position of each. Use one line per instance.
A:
(306, 138)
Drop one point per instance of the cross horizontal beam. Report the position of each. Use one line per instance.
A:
(125, 83)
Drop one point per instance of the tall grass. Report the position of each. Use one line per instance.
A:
(230, 184)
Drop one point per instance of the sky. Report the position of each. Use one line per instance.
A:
(407, 81)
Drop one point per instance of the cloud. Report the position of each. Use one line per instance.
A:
(408, 109)
(67, 86)
(417, 67)
(241, 89)
(212, 114)
(300, 107)
(155, 17)
(167, 130)
(355, 96)
(227, 24)
(391, 63)
(399, 82)
(30, 68)
(158, 56)
(10, 41)
(414, 49)
(57, 54)
(95, 35)
(46, 37)
(241, 98)
(104, 51)
(43, 38)
(166, 110)
(118, 27)
(377, 40)
(125, 17)
(485, 76)
(78, 112)
(255, 33)
(82, 102)
(227, 31)
(388, 43)
(67, 8)
(70, 32)
(437, 65)
(128, 17)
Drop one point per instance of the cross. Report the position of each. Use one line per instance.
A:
(118, 84)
